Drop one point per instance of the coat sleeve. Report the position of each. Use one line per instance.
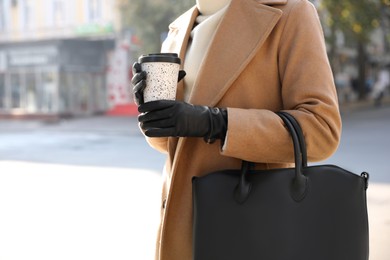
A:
(307, 92)
(158, 143)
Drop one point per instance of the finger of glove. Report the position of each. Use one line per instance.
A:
(161, 123)
(138, 99)
(160, 132)
(158, 115)
(138, 77)
(138, 91)
(137, 67)
(139, 87)
(156, 105)
(182, 74)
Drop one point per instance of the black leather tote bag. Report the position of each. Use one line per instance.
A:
(301, 213)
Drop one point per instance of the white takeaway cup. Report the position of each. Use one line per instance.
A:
(162, 72)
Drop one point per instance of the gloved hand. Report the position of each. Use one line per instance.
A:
(164, 118)
(139, 82)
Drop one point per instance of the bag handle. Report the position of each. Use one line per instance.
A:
(301, 137)
(299, 184)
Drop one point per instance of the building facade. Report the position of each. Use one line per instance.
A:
(54, 56)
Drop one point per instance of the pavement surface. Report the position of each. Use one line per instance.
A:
(92, 141)
(62, 212)
(88, 188)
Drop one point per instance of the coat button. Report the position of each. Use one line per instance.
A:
(164, 203)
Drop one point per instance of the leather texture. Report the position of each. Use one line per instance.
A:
(138, 82)
(307, 212)
(171, 118)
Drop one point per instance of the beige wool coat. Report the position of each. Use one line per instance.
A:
(266, 56)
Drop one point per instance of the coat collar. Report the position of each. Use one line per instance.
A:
(185, 22)
(245, 26)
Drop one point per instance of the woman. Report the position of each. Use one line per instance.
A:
(245, 60)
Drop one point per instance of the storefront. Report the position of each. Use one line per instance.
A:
(53, 78)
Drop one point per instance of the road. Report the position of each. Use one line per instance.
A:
(117, 142)
(88, 188)
(95, 141)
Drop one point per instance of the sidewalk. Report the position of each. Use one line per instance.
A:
(122, 125)
(378, 196)
(359, 105)
(62, 212)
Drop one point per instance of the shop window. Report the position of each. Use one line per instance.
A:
(31, 93)
(84, 85)
(101, 93)
(2, 92)
(16, 90)
(64, 90)
(72, 92)
(81, 93)
(48, 90)
(96, 93)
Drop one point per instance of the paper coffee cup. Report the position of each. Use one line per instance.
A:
(162, 71)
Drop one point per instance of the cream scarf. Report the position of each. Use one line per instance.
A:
(210, 14)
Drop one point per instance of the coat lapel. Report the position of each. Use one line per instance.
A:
(180, 31)
(177, 41)
(244, 28)
(242, 31)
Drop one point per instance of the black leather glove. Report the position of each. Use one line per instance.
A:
(164, 118)
(138, 82)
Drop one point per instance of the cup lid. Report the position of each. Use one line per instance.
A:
(160, 57)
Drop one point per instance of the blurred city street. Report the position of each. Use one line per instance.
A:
(88, 188)
(77, 178)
